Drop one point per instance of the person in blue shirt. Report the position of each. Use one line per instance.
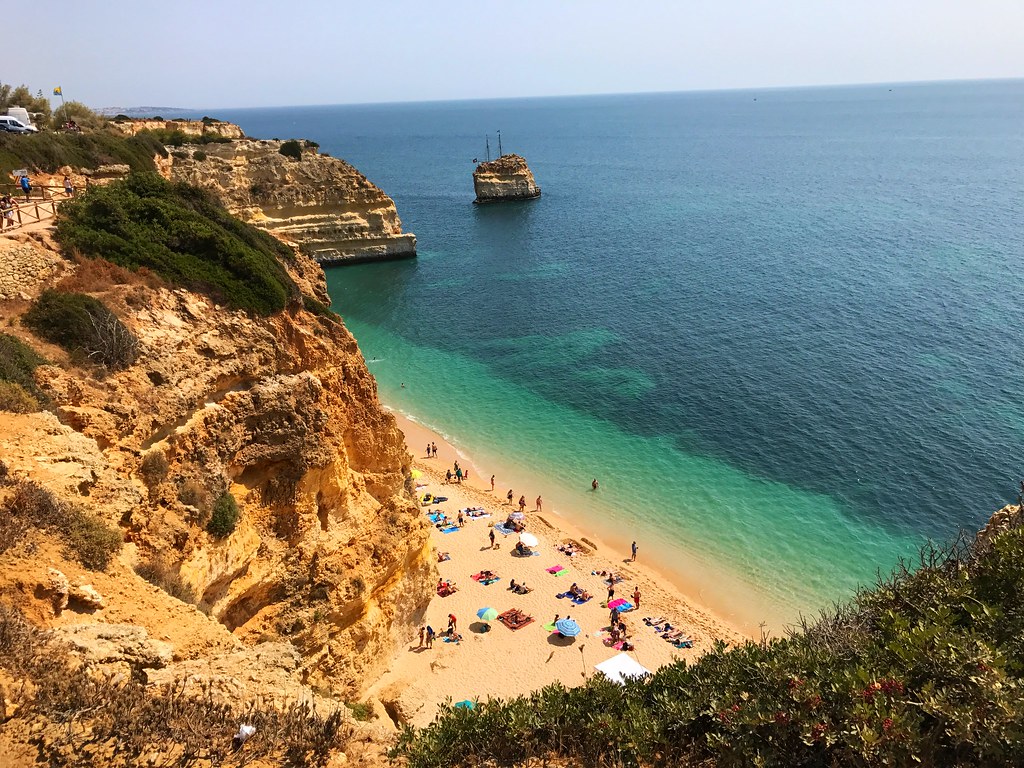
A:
(26, 186)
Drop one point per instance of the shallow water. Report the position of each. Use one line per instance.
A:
(782, 332)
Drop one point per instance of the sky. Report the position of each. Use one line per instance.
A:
(226, 53)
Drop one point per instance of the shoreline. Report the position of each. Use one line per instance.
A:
(419, 679)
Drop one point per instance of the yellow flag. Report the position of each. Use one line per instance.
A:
(57, 91)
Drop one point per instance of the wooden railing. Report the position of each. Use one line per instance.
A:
(30, 210)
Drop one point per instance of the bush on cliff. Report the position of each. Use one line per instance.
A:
(224, 517)
(926, 669)
(83, 325)
(175, 137)
(183, 235)
(86, 538)
(292, 149)
(18, 390)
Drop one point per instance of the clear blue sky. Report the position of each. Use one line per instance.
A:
(226, 53)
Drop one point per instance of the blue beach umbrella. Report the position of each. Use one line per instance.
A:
(567, 627)
(465, 704)
(489, 614)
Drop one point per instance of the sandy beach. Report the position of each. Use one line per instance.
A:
(501, 662)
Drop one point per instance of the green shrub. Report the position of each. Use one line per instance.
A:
(18, 361)
(199, 155)
(224, 517)
(361, 710)
(86, 538)
(183, 235)
(14, 399)
(319, 309)
(80, 323)
(310, 144)
(292, 149)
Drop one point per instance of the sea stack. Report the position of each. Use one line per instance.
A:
(507, 178)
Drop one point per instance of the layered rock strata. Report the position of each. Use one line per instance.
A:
(507, 178)
(322, 204)
(215, 128)
(330, 553)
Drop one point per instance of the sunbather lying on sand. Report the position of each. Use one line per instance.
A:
(442, 556)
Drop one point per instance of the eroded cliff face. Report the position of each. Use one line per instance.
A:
(507, 178)
(322, 204)
(330, 553)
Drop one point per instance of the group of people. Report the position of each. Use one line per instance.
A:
(459, 475)
(446, 587)
(578, 593)
(519, 588)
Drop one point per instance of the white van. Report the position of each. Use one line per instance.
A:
(21, 115)
(14, 125)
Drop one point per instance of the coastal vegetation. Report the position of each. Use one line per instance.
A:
(170, 137)
(48, 152)
(292, 149)
(224, 517)
(18, 390)
(86, 538)
(81, 718)
(83, 325)
(183, 235)
(923, 669)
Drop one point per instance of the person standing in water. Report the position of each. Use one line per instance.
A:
(633, 558)
(593, 484)
(539, 505)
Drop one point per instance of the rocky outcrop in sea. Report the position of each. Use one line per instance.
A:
(507, 178)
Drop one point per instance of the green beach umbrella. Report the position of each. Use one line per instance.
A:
(465, 704)
(487, 614)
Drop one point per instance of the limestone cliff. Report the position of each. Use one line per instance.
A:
(206, 127)
(507, 178)
(325, 206)
(330, 554)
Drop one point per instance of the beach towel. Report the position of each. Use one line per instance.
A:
(555, 568)
(471, 511)
(479, 577)
(550, 626)
(620, 605)
(684, 643)
(450, 529)
(507, 618)
(450, 639)
(582, 600)
(502, 528)
(561, 572)
(435, 516)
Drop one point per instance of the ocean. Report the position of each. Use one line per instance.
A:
(780, 327)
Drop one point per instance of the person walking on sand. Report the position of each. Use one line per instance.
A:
(434, 446)
(490, 535)
(421, 637)
(611, 591)
(636, 597)
(509, 496)
(633, 548)
(492, 483)
(448, 477)
(539, 504)
(522, 503)
(430, 636)
(428, 450)
(458, 474)
(451, 623)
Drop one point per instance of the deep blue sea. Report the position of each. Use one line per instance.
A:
(782, 327)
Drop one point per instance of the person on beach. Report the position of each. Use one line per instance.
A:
(509, 496)
(434, 446)
(461, 520)
(491, 537)
(430, 636)
(492, 483)
(465, 475)
(428, 450)
(458, 475)
(539, 505)
(633, 558)
(451, 624)
(611, 591)
(448, 477)
(636, 597)
(522, 503)
(422, 629)
(593, 484)
(26, 187)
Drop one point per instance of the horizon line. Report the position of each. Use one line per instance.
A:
(731, 89)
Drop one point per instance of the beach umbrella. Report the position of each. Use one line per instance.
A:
(416, 474)
(465, 704)
(567, 627)
(528, 539)
(517, 516)
(489, 614)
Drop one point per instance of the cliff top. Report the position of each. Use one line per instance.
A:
(505, 164)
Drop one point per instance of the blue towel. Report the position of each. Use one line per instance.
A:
(501, 527)
(452, 529)
(434, 517)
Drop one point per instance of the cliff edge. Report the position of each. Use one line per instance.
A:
(507, 178)
(323, 205)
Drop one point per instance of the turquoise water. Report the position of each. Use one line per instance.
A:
(780, 327)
